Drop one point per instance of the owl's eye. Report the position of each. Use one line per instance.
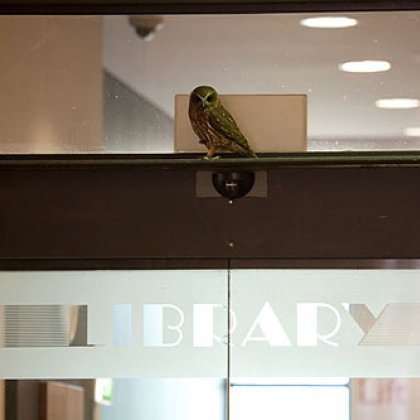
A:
(211, 98)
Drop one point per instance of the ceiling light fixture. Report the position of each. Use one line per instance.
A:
(365, 66)
(329, 22)
(397, 103)
(412, 132)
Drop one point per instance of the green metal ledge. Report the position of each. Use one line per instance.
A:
(197, 161)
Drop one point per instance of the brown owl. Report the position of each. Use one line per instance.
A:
(214, 125)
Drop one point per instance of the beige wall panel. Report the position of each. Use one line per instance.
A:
(51, 84)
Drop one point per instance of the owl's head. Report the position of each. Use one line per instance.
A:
(204, 96)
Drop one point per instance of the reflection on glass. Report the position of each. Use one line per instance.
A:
(293, 403)
(318, 398)
(107, 84)
(385, 398)
(166, 399)
(192, 398)
(128, 399)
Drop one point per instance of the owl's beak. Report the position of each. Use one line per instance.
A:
(203, 101)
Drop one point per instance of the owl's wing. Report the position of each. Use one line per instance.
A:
(222, 122)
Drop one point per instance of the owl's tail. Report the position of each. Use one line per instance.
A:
(248, 152)
(244, 149)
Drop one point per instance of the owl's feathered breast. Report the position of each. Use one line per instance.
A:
(200, 121)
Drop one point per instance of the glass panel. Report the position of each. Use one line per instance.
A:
(107, 84)
(354, 330)
(351, 323)
(121, 324)
(321, 343)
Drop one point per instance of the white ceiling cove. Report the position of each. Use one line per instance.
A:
(275, 54)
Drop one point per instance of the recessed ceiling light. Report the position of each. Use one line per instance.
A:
(365, 66)
(412, 131)
(331, 22)
(397, 103)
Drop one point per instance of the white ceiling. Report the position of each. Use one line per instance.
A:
(275, 54)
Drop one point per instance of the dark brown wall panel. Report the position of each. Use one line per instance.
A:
(143, 211)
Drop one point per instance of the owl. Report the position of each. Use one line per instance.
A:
(214, 125)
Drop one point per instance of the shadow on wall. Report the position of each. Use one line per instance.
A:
(132, 123)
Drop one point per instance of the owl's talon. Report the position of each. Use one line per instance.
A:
(211, 157)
